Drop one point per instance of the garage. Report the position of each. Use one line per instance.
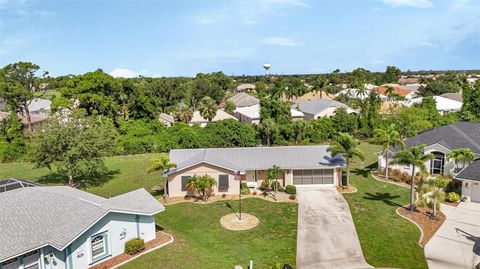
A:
(470, 177)
(475, 194)
(313, 177)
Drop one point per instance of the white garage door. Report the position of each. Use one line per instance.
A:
(313, 177)
(475, 194)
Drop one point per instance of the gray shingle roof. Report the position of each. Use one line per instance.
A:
(471, 172)
(258, 158)
(453, 95)
(317, 105)
(244, 99)
(38, 216)
(458, 135)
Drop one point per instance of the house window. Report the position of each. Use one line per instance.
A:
(223, 182)
(185, 180)
(436, 165)
(30, 260)
(11, 264)
(99, 246)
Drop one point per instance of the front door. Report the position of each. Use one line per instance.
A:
(436, 166)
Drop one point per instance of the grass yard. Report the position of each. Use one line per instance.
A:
(200, 241)
(387, 240)
(128, 173)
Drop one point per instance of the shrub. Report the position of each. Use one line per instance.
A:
(290, 189)
(134, 246)
(245, 191)
(156, 190)
(243, 185)
(453, 197)
(279, 187)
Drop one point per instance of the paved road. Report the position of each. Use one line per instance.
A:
(457, 243)
(326, 234)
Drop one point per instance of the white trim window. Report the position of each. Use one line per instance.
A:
(11, 264)
(99, 246)
(31, 260)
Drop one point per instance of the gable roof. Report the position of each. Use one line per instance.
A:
(471, 172)
(56, 216)
(244, 99)
(461, 134)
(395, 90)
(256, 158)
(316, 106)
(308, 96)
(441, 103)
(253, 112)
(453, 95)
(166, 117)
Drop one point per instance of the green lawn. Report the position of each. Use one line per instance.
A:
(200, 241)
(127, 173)
(387, 240)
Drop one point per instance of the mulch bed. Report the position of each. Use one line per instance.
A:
(454, 204)
(422, 217)
(348, 189)
(161, 239)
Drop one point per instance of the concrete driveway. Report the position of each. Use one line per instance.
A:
(457, 243)
(326, 234)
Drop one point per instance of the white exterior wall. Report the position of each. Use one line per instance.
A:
(471, 190)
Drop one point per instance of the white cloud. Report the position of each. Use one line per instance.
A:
(279, 41)
(123, 73)
(460, 3)
(410, 3)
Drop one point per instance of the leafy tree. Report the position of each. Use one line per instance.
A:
(346, 146)
(201, 184)
(392, 74)
(184, 114)
(344, 122)
(228, 133)
(300, 129)
(369, 116)
(471, 102)
(230, 107)
(162, 164)
(320, 130)
(438, 183)
(462, 155)
(75, 146)
(430, 106)
(388, 137)
(412, 120)
(267, 129)
(12, 141)
(18, 83)
(272, 176)
(208, 108)
(414, 157)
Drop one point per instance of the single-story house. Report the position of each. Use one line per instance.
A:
(251, 114)
(318, 108)
(245, 87)
(309, 96)
(62, 227)
(440, 141)
(166, 119)
(353, 93)
(444, 105)
(242, 99)
(198, 119)
(302, 166)
(454, 96)
(470, 177)
(36, 120)
(398, 91)
(39, 106)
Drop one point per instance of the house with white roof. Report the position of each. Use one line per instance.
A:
(444, 105)
(302, 166)
(39, 106)
(318, 108)
(63, 227)
(251, 114)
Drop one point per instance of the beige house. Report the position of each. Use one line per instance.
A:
(220, 115)
(302, 166)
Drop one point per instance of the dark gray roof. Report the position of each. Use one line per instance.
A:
(458, 135)
(55, 216)
(471, 172)
(256, 158)
(316, 106)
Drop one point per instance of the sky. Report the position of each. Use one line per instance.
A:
(182, 38)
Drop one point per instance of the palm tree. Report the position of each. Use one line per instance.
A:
(438, 184)
(162, 164)
(389, 92)
(208, 108)
(268, 128)
(201, 184)
(346, 146)
(415, 157)
(299, 130)
(388, 137)
(272, 176)
(184, 115)
(461, 155)
(318, 83)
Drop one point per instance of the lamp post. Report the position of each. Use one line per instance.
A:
(238, 178)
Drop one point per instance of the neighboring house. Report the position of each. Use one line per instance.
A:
(318, 108)
(454, 96)
(40, 106)
(309, 96)
(63, 227)
(166, 119)
(440, 141)
(198, 119)
(245, 87)
(397, 90)
(244, 99)
(251, 114)
(37, 120)
(470, 177)
(353, 93)
(444, 105)
(404, 80)
(300, 165)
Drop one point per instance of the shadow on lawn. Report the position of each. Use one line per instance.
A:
(91, 180)
(384, 197)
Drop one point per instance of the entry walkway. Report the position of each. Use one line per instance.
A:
(326, 234)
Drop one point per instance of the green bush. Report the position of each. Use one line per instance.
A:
(290, 189)
(244, 190)
(279, 187)
(452, 197)
(134, 246)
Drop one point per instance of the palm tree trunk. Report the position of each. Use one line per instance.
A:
(434, 214)
(165, 194)
(386, 166)
(70, 180)
(412, 191)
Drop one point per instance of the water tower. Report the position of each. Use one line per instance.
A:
(266, 66)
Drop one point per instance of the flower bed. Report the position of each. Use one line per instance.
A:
(422, 217)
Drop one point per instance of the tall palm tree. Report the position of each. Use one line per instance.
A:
(318, 83)
(272, 176)
(415, 157)
(208, 108)
(184, 115)
(461, 155)
(388, 137)
(346, 146)
(162, 164)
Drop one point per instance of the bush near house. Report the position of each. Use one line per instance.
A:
(278, 185)
(244, 189)
(134, 246)
(452, 197)
(399, 176)
(290, 189)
